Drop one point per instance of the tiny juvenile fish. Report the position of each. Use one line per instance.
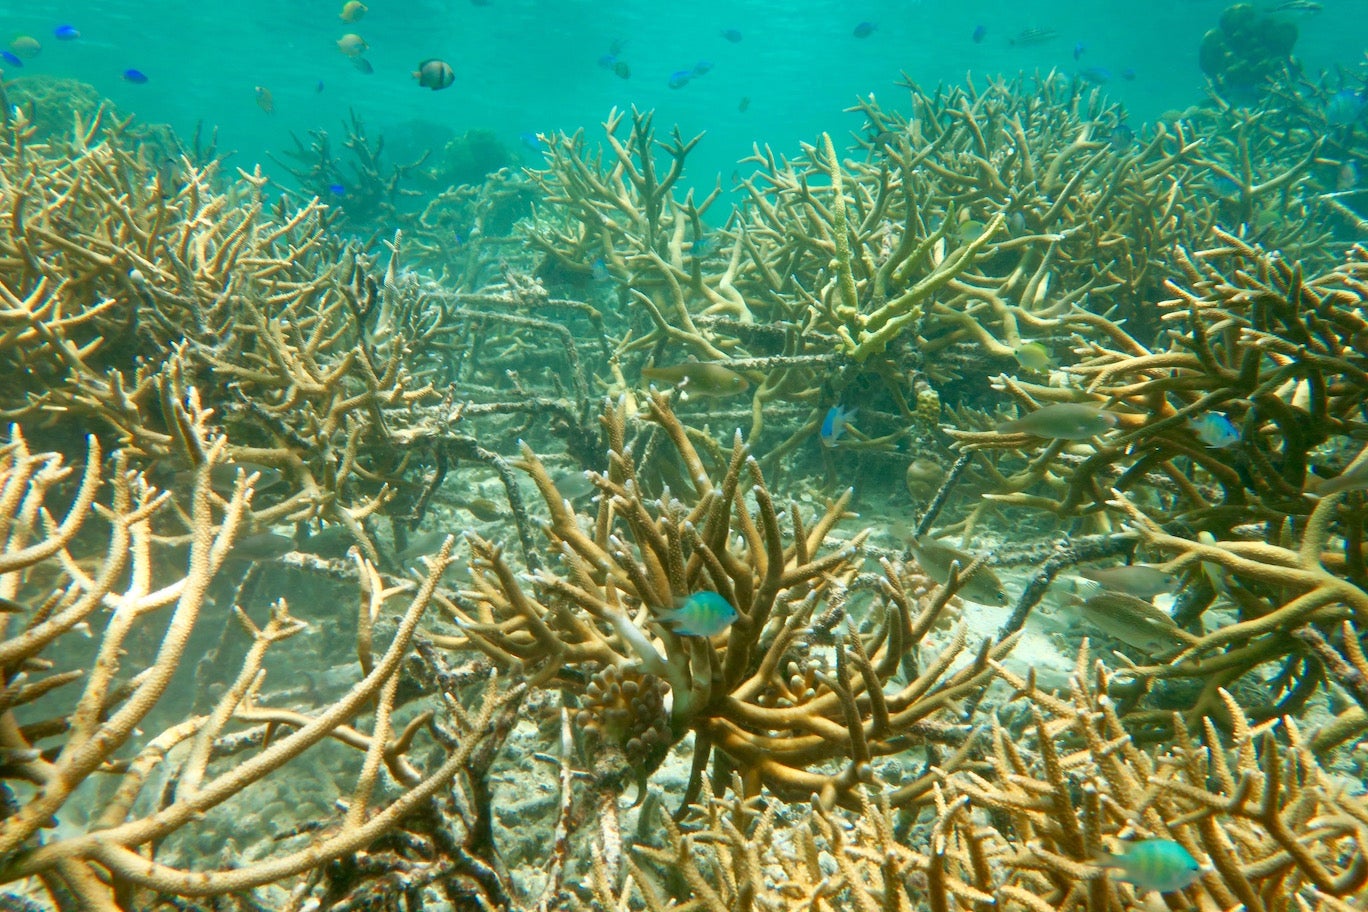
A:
(66, 33)
(864, 30)
(1062, 421)
(1155, 864)
(352, 10)
(980, 31)
(700, 378)
(137, 77)
(731, 34)
(680, 78)
(935, 558)
(834, 424)
(264, 99)
(703, 614)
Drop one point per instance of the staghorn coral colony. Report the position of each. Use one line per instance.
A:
(338, 575)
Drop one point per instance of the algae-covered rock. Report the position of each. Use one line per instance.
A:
(1245, 51)
(52, 102)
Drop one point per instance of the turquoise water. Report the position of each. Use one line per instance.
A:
(532, 65)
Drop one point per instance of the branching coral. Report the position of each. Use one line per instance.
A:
(63, 725)
(1274, 831)
(749, 697)
(1253, 341)
(1255, 805)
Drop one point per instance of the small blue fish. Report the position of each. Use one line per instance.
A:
(1155, 864)
(598, 270)
(834, 424)
(66, 33)
(137, 77)
(607, 61)
(1095, 75)
(11, 58)
(702, 67)
(864, 30)
(1128, 74)
(680, 78)
(319, 86)
(1215, 430)
(1345, 107)
(980, 32)
(532, 141)
(1079, 50)
(1121, 138)
(703, 614)
(732, 35)
(337, 190)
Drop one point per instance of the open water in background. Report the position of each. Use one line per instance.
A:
(532, 65)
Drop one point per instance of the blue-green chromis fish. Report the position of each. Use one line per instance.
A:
(1215, 430)
(703, 614)
(1062, 421)
(834, 424)
(1155, 864)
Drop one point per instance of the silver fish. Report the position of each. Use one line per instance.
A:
(1139, 580)
(935, 558)
(1134, 622)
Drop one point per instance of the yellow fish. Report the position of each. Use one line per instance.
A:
(26, 46)
(352, 10)
(1033, 356)
(699, 378)
(352, 44)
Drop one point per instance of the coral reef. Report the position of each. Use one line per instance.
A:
(230, 416)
